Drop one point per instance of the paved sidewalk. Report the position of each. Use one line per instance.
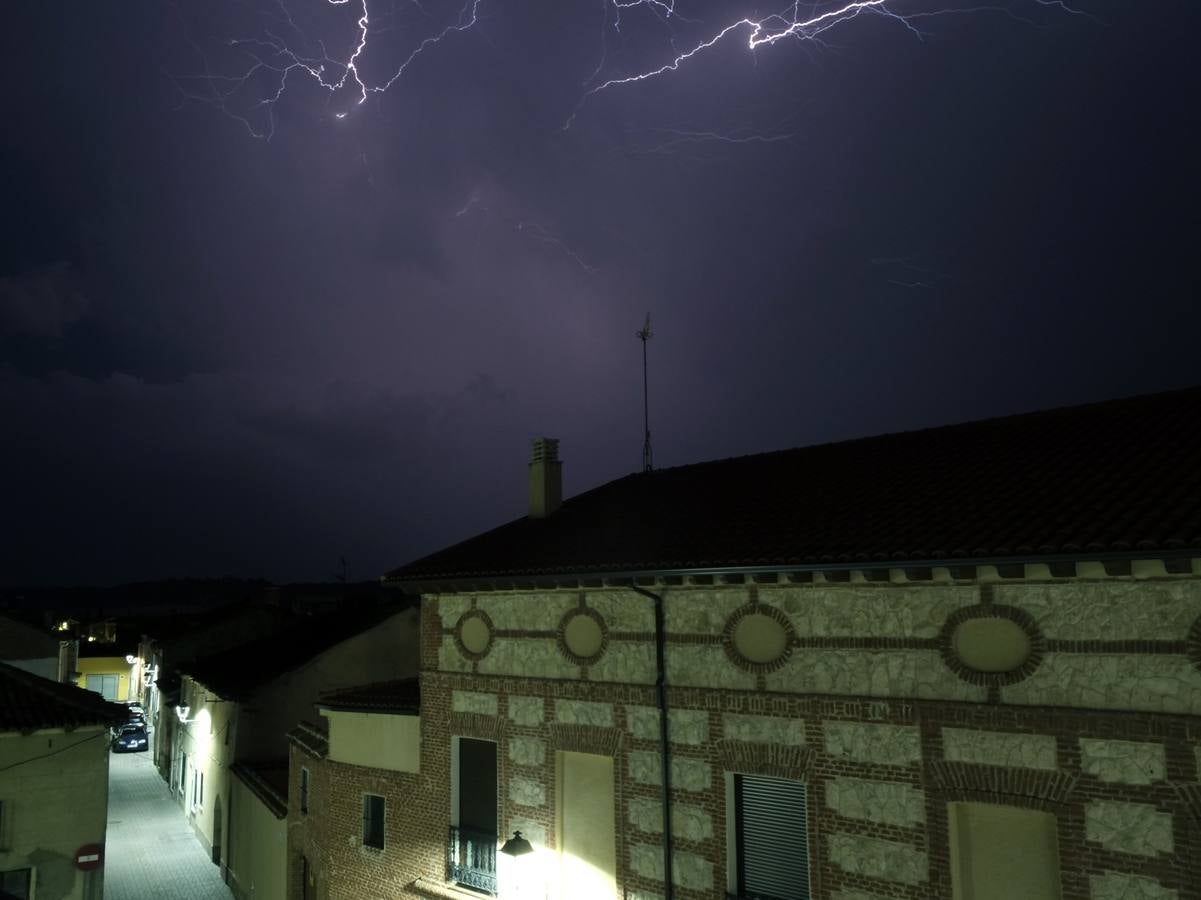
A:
(151, 852)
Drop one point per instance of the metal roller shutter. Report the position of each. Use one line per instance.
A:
(773, 838)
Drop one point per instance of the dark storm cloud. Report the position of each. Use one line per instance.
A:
(42, 302)
(226, 355)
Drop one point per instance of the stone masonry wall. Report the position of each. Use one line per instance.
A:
(879, 776)
(880, 772)
(867, 703)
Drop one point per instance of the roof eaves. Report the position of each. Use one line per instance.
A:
(468, 582)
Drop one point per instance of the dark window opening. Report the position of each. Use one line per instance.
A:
(15, 884)
(373, 821)
(472, 846)
(772, 838)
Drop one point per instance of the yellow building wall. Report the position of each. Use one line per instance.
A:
(375, 740)
(208, 741)
(106, 665)
(257, 846)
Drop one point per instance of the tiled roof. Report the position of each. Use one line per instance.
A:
(267, 780)
(312, 738)
(1114, 477)
(402, 696)
(29, 702)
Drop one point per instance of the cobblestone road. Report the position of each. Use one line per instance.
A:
(151, 852)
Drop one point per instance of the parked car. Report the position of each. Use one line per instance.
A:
(130, 739)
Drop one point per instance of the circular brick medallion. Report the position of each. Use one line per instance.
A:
(991, 644)
(474, 634)
(583, 636)
(758, 638)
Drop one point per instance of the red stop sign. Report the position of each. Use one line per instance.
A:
(89, 856)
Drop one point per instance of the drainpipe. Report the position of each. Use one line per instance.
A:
(664, 752)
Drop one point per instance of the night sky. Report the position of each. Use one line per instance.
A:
(226, 355)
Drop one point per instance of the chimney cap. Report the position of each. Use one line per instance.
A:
(545, 449)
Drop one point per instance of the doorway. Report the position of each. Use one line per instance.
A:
(217, 832)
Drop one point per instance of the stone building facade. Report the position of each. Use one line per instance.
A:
(867, 702)
(1016, 716)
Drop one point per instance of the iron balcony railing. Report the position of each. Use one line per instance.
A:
(471, 858)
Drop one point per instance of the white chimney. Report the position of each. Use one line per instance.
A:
(546, 478)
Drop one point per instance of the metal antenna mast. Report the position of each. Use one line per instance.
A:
(648, 459)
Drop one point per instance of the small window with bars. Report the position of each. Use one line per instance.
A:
(771, 838)
(373, 821)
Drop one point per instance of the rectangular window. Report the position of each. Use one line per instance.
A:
(769, 838)
(373, 821)
(472, 846)
(16, 884)
(587, 833)
(200, 791)
(999, 852)
(304, 791)
(3, 826)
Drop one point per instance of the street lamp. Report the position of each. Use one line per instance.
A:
(519, 879)
(516, 846)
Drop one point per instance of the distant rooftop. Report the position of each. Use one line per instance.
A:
(401, 696)
(1119, 477)
(267, 780)
(29, 702)
(235, 673)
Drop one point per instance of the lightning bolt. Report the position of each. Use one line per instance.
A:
(790, 24)
(271, 55)
(272, 60)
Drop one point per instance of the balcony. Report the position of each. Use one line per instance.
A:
(471, 859)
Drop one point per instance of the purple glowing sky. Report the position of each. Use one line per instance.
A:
(224, 355)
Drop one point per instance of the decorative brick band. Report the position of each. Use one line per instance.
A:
(865, 643)
(477, 725)
(1190, 798)
(946, 644)
(766, 759)
(1192, 644)
(1157, 648)
(1047, 791)
(586, 739)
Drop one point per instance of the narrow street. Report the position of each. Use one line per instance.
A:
(151, 853)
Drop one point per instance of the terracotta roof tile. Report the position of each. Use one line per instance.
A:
(29, 702)
(401, 696)
(1119, 476)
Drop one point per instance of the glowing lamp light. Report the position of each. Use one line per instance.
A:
(182, 713)
(130, 658)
